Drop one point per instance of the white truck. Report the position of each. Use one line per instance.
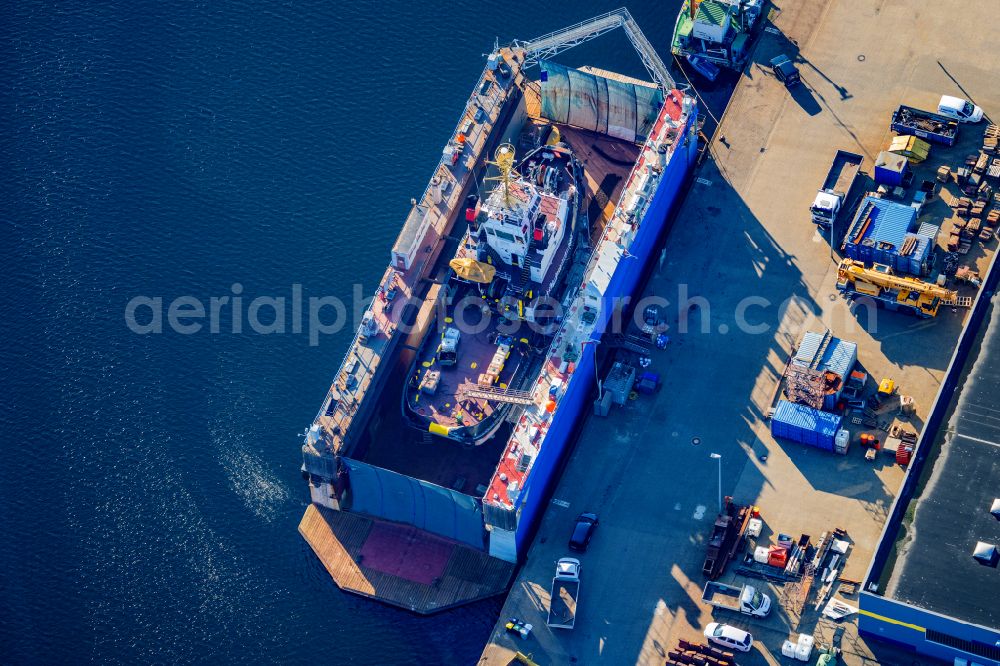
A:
(747, 599)
(565, 592)
(830, 199)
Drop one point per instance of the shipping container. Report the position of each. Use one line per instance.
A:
(878, 232)
(805, 425)
(890, 168)
(920, 259)
(929, 230)
(930, 126)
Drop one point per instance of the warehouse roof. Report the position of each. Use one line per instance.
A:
(838, 357)
(934, 568)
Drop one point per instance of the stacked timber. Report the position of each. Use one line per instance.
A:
(697, 654)
(990, 138)
(962, 206)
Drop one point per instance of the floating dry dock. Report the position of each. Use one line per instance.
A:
(431, 513)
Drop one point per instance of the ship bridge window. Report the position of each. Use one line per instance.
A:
(505, 236)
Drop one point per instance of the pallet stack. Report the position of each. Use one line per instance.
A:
(993, 170)
(962, 206)
(697, 654)
(991, 137)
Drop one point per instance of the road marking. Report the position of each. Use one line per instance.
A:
(558, 502)
(703, 181)
(699, 512)
(978, 439)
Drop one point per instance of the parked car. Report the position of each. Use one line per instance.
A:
(785, 71)
(729, 636)
(959, 109)
(583, 531)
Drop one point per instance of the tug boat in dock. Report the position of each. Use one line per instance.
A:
(495, 324)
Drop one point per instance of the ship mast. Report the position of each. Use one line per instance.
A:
(503, 160)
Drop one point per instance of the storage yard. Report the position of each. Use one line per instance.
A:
(792, 387)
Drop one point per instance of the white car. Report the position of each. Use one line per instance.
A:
(959, 109)
(729, 637)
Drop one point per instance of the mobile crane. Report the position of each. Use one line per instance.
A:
(894, 292)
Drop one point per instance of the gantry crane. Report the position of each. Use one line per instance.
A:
(895, 292)
(549, 45)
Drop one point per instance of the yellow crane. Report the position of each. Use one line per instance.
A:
(894, 291)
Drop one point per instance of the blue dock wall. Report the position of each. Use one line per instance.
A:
(623, 283)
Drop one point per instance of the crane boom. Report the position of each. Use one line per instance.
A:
(556, 42)
(880, 283)
(882, 276)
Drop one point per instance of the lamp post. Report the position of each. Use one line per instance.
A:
(718, 458)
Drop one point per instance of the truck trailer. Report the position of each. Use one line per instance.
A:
(747, 599)
(564, 594)
(831, 199)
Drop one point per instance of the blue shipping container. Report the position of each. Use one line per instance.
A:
(890, 169)
(805, 425)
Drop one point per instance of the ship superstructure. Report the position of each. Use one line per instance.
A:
(487, 323)
(716, 31)
(495, 329)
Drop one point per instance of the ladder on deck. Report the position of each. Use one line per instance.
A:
(496, 394)
(524, 276)
(823, 344)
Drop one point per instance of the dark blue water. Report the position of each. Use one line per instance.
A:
(149, 485)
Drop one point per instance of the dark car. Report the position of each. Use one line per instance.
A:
(785, 71)
(586, 523)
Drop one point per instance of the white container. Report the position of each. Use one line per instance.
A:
(804, 648)
(754, 527)
(842, 442)
(760, 555)
(788, 649)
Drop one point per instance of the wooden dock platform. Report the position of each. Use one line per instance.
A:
(399, 564)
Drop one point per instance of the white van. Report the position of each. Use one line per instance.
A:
(959, 109)
(729, 636)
